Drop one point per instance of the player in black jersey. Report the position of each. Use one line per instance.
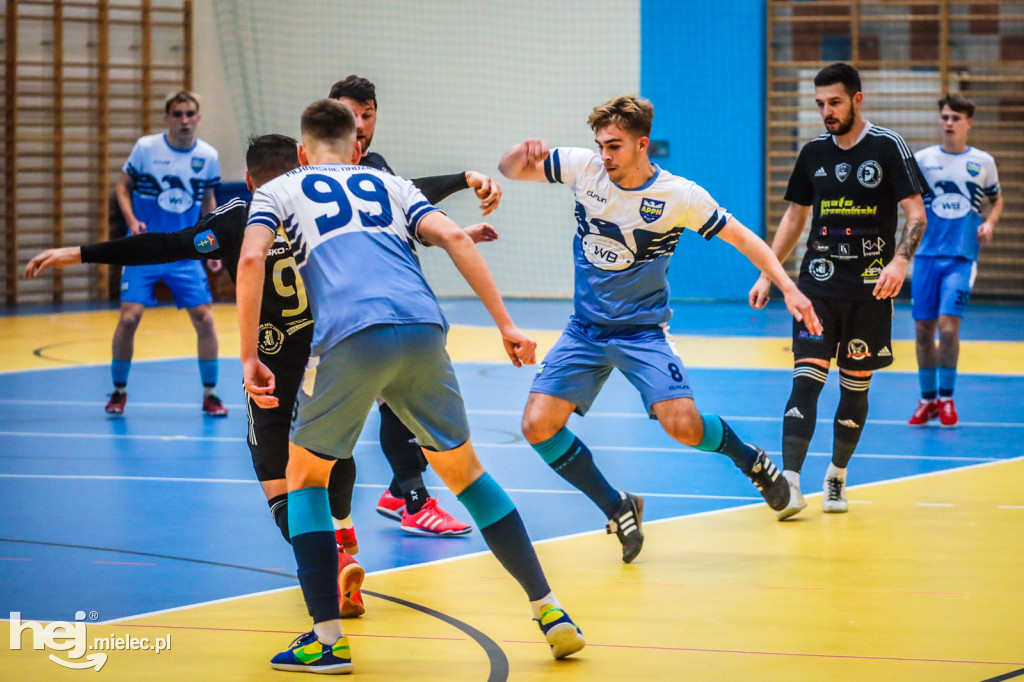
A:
(407, 499)
(853, 177)
(286, 330)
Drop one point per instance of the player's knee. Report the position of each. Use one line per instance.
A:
(129, 321)
(687, 428)
(537, 428)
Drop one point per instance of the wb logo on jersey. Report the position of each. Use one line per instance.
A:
(606, 253)
(197, 164)
(651, 209)
(206, 242)
(950, 205)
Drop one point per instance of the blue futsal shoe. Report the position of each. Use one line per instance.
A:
(308, 655)
(562, 635)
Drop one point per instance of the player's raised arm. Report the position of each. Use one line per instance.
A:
(525, 161)
(758, 253)
(257, 377)
(438, 229)
(790, 229)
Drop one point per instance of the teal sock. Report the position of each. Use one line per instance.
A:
(208, 372)
(573, 461)
(119, 373)
(503, 531)
(719, 437)
(947, 381)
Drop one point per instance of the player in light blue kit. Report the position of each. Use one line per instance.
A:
(630, 214)
(378, 331)
(960, 178)
(165, 185)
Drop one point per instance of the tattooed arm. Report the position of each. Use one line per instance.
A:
(891, 280)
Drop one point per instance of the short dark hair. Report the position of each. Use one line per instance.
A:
(839, 73)
(632, 114)
(271, 155)
(356, 89)
(958, 103)
(328, 120)
(180, 97)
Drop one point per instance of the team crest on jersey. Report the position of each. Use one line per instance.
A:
(821, 269)
(974, 168)
(206, 242)
(271, 339)
(869, 174)
(197, 164)
(843, 171)
(651, 209)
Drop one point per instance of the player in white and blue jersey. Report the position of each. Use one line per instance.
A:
(629, 216)
(165, 185)
(378, 332)
(960, 179)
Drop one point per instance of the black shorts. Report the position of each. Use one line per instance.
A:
(269, 429)
(857, 333)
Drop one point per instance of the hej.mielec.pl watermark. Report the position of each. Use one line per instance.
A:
(61, 635)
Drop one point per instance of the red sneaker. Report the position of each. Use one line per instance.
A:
(116, 403)
(214, 407)
(434, 521)
(347, 540)
(350, 578)
(390, 506)
(925, 412)
(947, 413)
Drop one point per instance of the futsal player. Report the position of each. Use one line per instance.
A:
(164, 186)
(407, 500)
(854, 176)
(629, 216)
(959, 178)
(378, 331)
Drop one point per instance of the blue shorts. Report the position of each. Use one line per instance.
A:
(942, 286)
(577, 366)
(406, 365)
(186, 280)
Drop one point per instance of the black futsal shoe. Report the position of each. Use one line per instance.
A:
(626, 525)
(770, 481)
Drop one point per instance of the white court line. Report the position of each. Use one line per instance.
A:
(503, 413)
(934, 504)
(550, 540)
(1011, 506)
(478, 445)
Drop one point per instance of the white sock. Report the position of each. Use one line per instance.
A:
(328, 631)
(793, 477)
(343, 523)
(548, 598)
(209, 390)
(835, 472)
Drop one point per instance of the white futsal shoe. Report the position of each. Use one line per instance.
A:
(796, 499)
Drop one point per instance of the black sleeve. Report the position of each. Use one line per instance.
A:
(148, 248)
(908, 179)
(800, 190)
(439, 187)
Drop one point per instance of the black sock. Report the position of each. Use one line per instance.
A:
(415, 499)
(571, 459)
(339, 487)
(279, 508)
(508, 540)
(402, 452)
(850, 416)
(801, 413)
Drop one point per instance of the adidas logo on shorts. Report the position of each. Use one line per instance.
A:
(885, 352)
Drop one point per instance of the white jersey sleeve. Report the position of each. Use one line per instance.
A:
(566, 165)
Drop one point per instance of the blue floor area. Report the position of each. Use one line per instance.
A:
(172, 515)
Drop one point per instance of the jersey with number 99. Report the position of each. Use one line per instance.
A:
(351, 230)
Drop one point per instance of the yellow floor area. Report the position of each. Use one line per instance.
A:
(898, 589)
(46, 341)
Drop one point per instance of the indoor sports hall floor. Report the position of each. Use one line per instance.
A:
(152, 525)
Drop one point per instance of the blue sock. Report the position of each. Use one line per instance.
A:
(718, 437)
(208, 372)
(119, 372)
(928, 379)
(316, 551)
(947, 381)
(571, 459)
(503, 530)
